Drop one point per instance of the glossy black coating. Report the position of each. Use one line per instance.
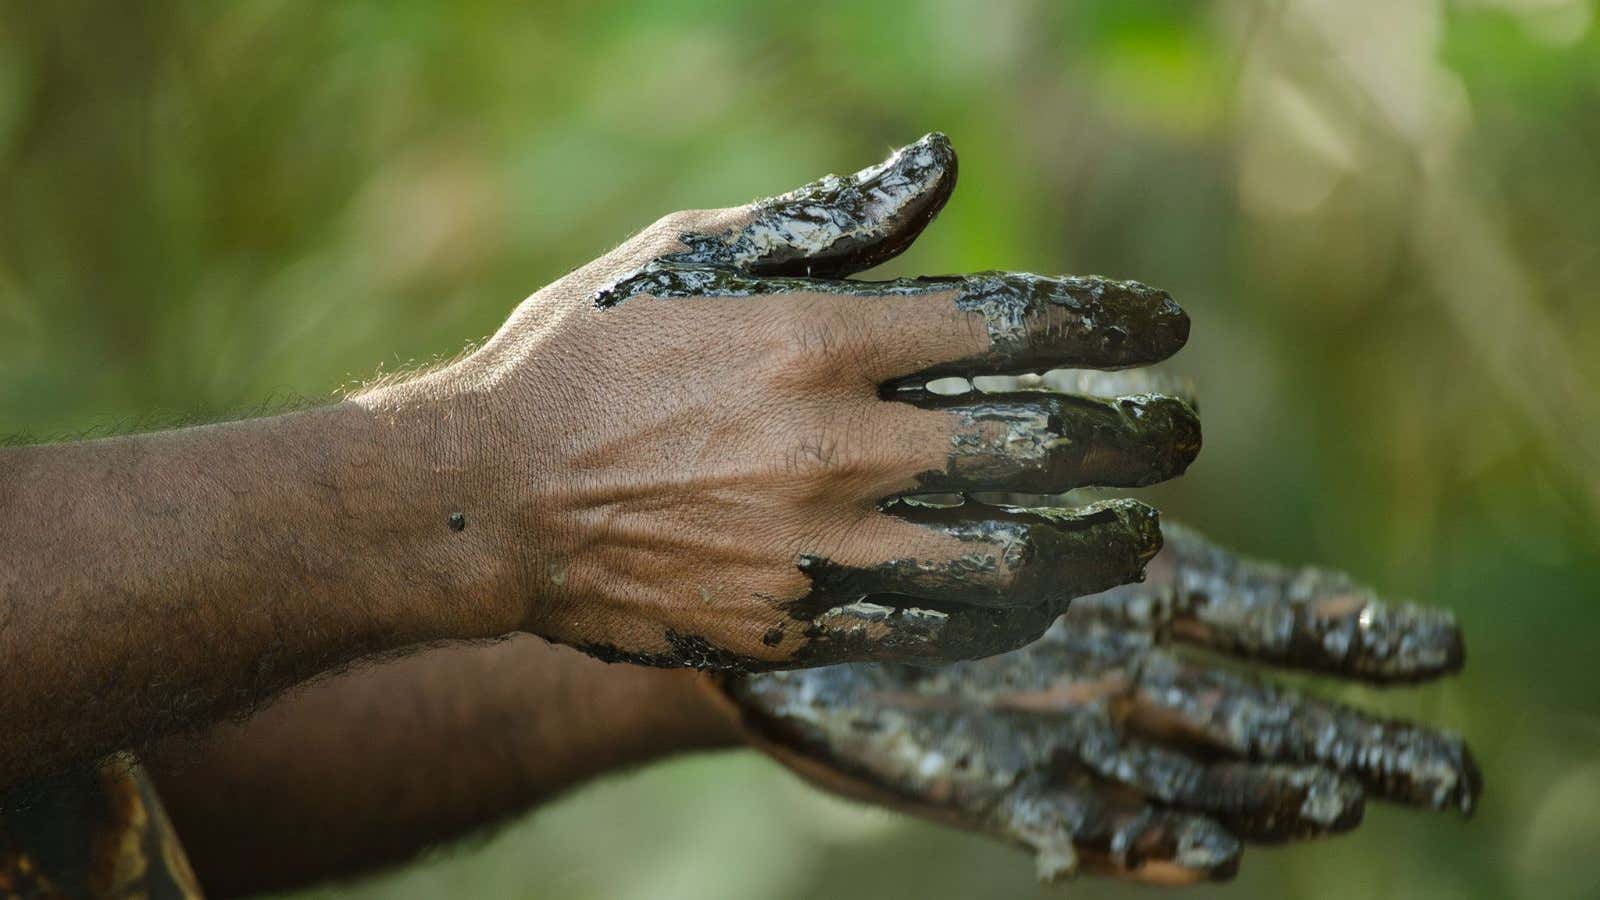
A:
(1047, 443)
(1021, 557)
(830, 228)
(836, 226)
(1305, 617)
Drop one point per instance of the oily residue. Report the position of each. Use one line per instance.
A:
(1051, 443)
(1095, 741)
(828, 228)
(1025, 567)
(1302, 616)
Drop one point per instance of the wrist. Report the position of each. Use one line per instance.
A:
(420, 440)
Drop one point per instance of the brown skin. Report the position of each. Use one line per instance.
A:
(1097, 747)
(675, 454)
(392, 758)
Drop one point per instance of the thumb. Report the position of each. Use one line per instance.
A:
(838, 225)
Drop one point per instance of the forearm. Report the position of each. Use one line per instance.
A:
(394, 757)
(155, 582)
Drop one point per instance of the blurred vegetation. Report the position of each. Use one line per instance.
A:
(1382, 216)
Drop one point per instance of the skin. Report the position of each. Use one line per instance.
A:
(689, 452)
(1102, 748)
(396, 757)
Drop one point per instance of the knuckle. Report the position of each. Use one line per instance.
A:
(666, 234)
(802, 347)
(816, 338)
(830, 340)
(829, 452)
(675, 222)
(818, 453)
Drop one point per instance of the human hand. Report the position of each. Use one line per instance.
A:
(1106, 751)
(695, 450)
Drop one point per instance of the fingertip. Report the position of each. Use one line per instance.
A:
(1470, 782)
(1144, 522)
(1206, 846)
(1173, 322)
(1397, 643)
(1174, 849)
(1091, 548)
(1055, 862)
(1333, 804)
(1150, 325)
(1455, 652)
(1178, 426)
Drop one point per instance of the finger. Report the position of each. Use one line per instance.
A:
(1000, 323)
(1049, 443)
(986, 323)
(832, 227)
(895, 629)
(975, 580)
(1257, 802)
(1077, 824)
(1260, 802)
(1007, 556)
(1304, 617)
(1396, 760)
(837, 226)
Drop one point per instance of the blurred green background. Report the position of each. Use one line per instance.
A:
(1383, 217)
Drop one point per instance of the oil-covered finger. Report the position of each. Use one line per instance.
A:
(1258, 802)
(1074, 823)
(838, 225)
(984, 323)
(830, 228)
(1049, 443)
(899, 629)
(1305, 617)
(1019, 322)
(1396, 760)
(991, 556)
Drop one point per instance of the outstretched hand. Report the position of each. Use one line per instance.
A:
(698, 449)
(1106, 750)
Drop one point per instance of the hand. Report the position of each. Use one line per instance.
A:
(696, 450)
(1105, 751)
